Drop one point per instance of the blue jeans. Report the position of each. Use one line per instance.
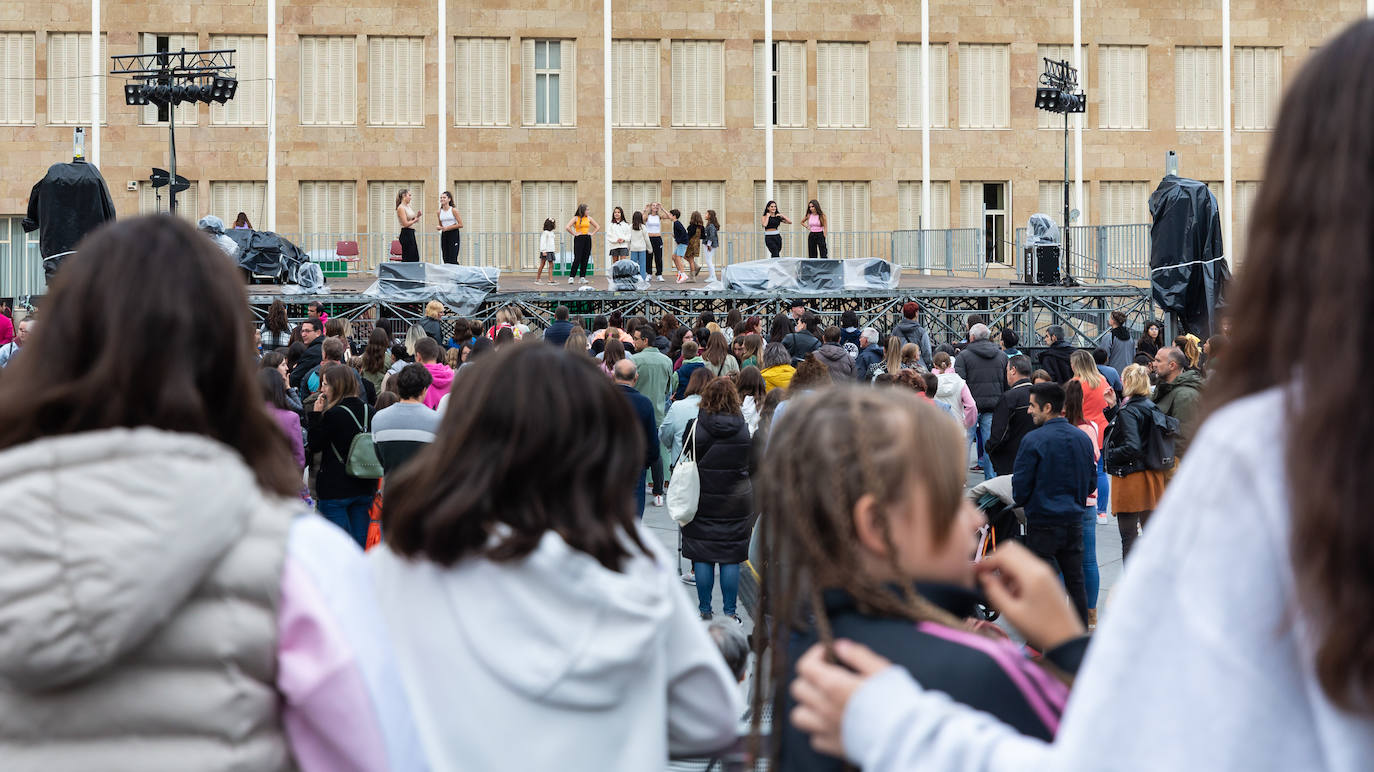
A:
(984, 429)
(706, 581)
(643, 259)
(639, 492)
(1104, 488)
(349, 514)
(1091, 577)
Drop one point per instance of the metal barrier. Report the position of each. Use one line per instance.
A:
(948, 251)
(1101, 252)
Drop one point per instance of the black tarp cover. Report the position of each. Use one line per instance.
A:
(70, 201)
(264, 253)
(1188, 269)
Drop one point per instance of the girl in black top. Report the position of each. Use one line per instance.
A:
(338, 416)
(770, 221)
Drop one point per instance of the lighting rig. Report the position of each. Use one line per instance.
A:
(1058, 92)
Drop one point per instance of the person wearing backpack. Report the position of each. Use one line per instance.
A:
(339, 415)
(1137, 488)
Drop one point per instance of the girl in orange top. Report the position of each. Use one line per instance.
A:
(585, 227)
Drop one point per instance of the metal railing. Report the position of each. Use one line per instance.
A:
(950, 251)
(1101, 252)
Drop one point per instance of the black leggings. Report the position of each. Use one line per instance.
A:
(450, 242)
(582, 253)
(774, 243)
(815, 246)
(410, 252)
(656, 261)
(1126, 523)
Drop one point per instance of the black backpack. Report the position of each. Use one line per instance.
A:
(1159, 433)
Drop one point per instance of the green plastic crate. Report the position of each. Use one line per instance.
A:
(334, 269)
(565, 269)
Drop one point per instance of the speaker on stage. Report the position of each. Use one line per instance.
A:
(1041, 257)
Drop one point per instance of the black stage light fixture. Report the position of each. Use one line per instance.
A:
(1047, 99)
(223, 89)
(134, 94)
(185, 93)
(159, 95)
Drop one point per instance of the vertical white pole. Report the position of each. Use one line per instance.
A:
(772, 98)
(443, 95)
(1369, 8)
(1078, 117)
(97, 76)
(925, 116)
(271, 203)
(608, 147)
(1228, 182)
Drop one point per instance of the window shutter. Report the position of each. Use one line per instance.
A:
(698, 83)
(761, 75)
(329, 81)
(328, 207)
(845, 205)
(697, 196)
(249, 105)
(939, 86)
(228, 198)
(791, 198)
(1257, 81)
(381, 77)
(540, 200)
(634, 67)
(1125, 203)
(908, 89)
(633, 195)
(842, 76)
(1197, 87)
(186, 113)
(381, 209)
(484, 206)
(909, 205)
(395, 81)
(69, 66)
(17, 62)
(567, 84)
(971, 204)
(481, 82)
(984, 86)
(188, 201)
(527, 81)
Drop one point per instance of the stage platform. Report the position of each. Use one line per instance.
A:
(946, 303)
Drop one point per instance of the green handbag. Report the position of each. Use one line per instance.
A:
(362, 461)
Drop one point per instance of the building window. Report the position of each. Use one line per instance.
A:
(909, 206)
(786, 67)
(698, 83)
(328, 206)
(1245, 193)
(249, 105)
(158, 201)
(381, 212)
(542, 200)
(845, 205)
(69, 86)
(187, 112)
(791, 198)
(633, 195)
(229, 197)
(634, 71)
(329, 81)
(550, 82)
(842, 85)
(484, 206)
(984, 90)
(21, 265)
(1123, 101)
(1256, 75)
(482, 82)
(1052, 202)
(17, 59)
(697, 196)
(909, 85)
(1197, 87)
(1125, 203)
(396, 81)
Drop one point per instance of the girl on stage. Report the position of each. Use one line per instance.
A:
(770, 221)
(450, 223)
(816, 226)
(653, 224)
(410, 251)
(582, 227)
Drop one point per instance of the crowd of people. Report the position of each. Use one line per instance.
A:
(172, 602)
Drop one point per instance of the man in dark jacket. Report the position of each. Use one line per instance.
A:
(870, 353)
(1053, 477)
(312, 333)
(1055, 359)
(1011, 421)
(911, 332)
(833, 356)
(801, 342)
(983, 367)
(625, 376)
(1178, 393)
(557, 333)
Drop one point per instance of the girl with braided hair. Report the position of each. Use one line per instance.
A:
(868, 536)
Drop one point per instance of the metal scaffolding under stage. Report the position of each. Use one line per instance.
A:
(945, 310)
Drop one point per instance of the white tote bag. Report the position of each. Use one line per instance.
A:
(685, 487)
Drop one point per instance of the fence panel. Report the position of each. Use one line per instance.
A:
(1101, 252)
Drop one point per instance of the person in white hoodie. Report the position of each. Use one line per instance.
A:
(1224, 648)
(167, 602)
(953, 390)
(537, 626)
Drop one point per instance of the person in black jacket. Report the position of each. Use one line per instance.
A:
(1136, 489)
(626, 373)
(878, 553)
(719, 534)
(804, 338)
(1010, 421)
(1055, 359)
(557, 333)
(312, 334)
(983, 366)
(430, 324)
(338, 416)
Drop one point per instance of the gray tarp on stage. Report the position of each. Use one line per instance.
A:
(802, 276)
(460, 287)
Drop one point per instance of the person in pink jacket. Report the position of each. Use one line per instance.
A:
(953, 391)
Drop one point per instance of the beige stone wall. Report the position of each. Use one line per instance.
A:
(882, 154)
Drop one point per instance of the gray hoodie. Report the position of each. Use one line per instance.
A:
(911, 332)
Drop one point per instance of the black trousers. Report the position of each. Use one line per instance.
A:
(450, 242)
(815, 246)
(582, 253)
(656, 256)
(774, 243)
(410, 251)
(1058, 540)
(1130, 524)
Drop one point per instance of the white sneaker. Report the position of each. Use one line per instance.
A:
(1102, 518)
(570, 280)
(582, 281)
(658, 501)
(660, 278)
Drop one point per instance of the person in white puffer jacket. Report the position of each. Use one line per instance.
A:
(953, 391)
(167, 601)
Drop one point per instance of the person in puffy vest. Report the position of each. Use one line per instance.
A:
(1136, 489)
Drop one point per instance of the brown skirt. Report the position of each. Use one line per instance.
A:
(1137, 491)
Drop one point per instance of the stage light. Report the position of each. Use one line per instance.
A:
(1047, 99)
(134, 94)
(185, 93)
(160, 95)
(223, 89)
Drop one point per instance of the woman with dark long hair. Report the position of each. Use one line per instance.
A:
(376, 360)
(1265, 623)
(718, 358)
(161, 581)
(1151, 339)
(752, 391)
(583, 228)
(338, 416)
(276, 330)
(450, 228)
(770, 221)
(487, 591)
(816, 227)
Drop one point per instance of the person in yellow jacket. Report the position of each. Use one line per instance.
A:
(777, 369)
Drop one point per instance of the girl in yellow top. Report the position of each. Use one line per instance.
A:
(582, 227)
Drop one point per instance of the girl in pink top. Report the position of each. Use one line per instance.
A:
(816, 224)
